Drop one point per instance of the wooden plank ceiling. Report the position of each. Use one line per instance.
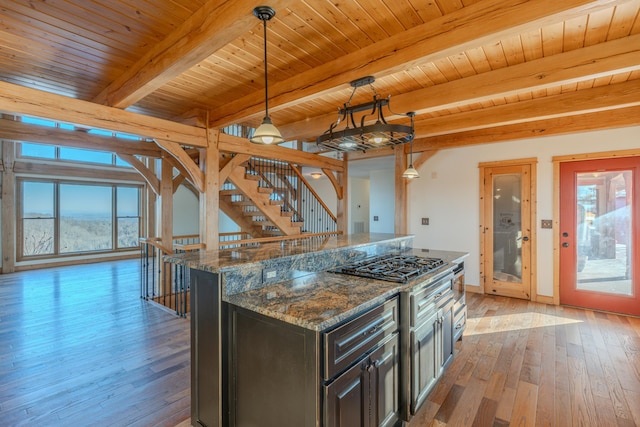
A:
(474, 70)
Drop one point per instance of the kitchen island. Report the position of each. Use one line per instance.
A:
(279, 338)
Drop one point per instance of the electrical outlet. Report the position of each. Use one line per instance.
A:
(269, 275)
(425, 221)
(375, 218)
(546, 223)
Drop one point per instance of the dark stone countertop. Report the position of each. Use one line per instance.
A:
(321, 300)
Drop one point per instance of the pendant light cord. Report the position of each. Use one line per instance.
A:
(266, 78)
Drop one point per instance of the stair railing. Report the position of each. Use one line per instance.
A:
(299, 198)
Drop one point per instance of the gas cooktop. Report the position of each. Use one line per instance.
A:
(393, 268)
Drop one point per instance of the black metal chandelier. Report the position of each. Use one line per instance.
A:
(350, 134)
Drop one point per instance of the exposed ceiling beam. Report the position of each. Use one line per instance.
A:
(235, 144)
(617, 56)
(623, 117)
(210, 28)
(20, 100)
(19, 131)
(469, 27)
(601, 98)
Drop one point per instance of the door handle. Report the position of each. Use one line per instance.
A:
(565, 245)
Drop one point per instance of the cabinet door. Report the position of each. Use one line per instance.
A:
(385, 377)
(447, 337)
(347, 398)
(425, 366)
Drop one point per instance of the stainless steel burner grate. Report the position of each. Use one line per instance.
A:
(394, 268)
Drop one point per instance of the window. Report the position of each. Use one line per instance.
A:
(62, 218)
(86, 218)
(38, 218)
(44, 151)
(128, 216)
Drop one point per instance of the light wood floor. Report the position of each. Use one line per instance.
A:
(78, 347)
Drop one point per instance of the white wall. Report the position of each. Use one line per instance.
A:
(358, 196)
(448, 193)
(382, 201)
(325, 190)
(185, 212)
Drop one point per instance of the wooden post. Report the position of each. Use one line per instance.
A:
(210, 198)
(166, 202)
(400, 226)
(151, 204)
(8, 208)
(342, 208)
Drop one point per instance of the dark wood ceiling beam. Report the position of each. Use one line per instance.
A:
(210, 28)
(617, 56)
(471, 26)
(602, 120)
(19, 131)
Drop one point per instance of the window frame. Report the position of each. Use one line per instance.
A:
(115, 248)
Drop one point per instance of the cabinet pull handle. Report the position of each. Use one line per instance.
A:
(459, 325)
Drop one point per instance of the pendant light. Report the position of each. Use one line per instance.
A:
(411, 172)
(266, 133)
(350, 132)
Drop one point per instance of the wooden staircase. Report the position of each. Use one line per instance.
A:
(253, 209)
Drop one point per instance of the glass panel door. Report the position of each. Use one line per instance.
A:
(507, 232)
(604, 232)
(599, 234)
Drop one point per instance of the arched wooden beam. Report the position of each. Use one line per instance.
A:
(146, 173)
(191, 168)
(334, 182)
(423, 157)
(236, 161)
(177, 180)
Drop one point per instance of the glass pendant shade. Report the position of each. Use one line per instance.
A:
(267, 133)
(379, 138)
(348, 143)
(411, 173)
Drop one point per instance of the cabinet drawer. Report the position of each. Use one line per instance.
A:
(424, 301)
(459, 325)
(348, 343)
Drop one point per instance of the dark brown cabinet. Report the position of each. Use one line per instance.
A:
(367, 393)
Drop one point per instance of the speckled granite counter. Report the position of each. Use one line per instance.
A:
(246, 268)
(304, 291)
(321, 300)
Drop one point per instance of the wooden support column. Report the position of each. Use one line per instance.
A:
(400, 226)
(342, 209)
(166, 204)
(8, 207)
(152, 203)
(210, 196)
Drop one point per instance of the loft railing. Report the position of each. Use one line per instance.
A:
(162, 282)
(167, 284)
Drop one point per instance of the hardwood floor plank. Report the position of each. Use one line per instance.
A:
(526, 401)
(79, 347)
